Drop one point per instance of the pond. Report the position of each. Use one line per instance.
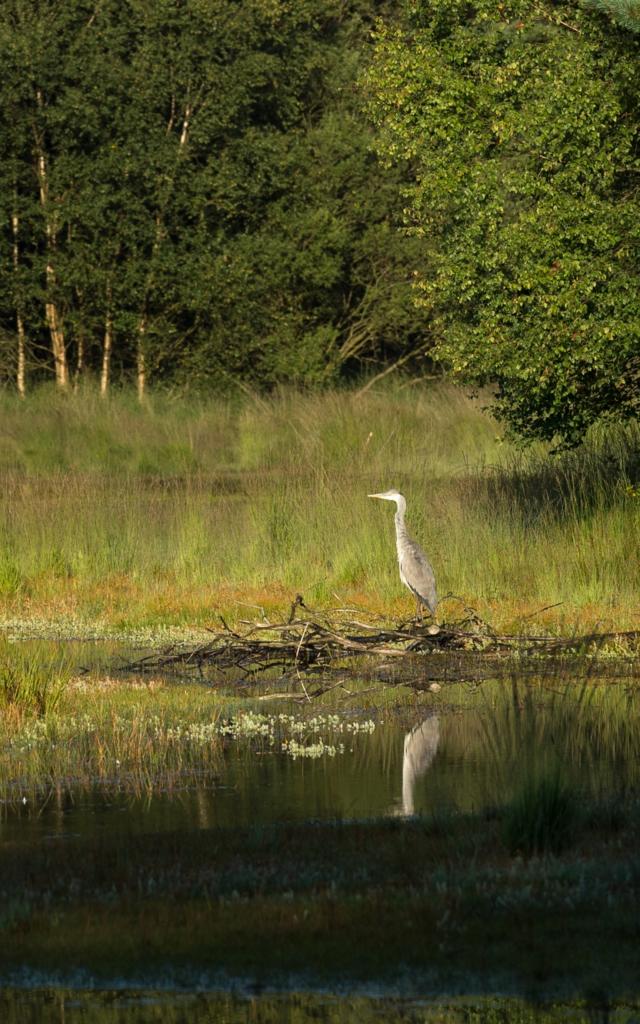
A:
(464, 749)
(385, 807)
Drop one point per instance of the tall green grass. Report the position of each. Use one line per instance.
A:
(31, 684)
(119, 738)
(141, 514)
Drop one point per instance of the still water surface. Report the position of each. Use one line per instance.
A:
(464, 751)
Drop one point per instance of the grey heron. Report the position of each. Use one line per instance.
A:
(415, 569)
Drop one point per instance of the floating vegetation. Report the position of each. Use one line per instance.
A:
(138, 740)
(311, 750)
(248, 724)
(297, 737)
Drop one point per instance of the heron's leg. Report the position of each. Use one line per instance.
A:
(419, 610)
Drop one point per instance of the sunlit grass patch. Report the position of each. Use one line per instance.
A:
(32, 682)
(103, 519)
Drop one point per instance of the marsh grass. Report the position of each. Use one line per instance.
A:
(318, 899)
(174, 511)
(128, 739)
(442, 890)
(142, 739)
(51, 1006)
(32, 682)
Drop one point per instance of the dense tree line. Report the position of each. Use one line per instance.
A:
(522, 121)
(207, 192)
(188, 193)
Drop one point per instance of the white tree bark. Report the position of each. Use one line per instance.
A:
(141, 363)
(22, 342)
(54, 320)
(79, 361)
(107, 345)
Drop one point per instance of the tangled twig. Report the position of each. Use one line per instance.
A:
(319, 640)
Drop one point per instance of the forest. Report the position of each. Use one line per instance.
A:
(204, 195)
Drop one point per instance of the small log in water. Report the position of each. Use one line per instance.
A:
(311, 640)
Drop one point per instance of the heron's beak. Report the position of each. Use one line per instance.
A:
(375, 495)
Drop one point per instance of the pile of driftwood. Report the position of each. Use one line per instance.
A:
(311, 641)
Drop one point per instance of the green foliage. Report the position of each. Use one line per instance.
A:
(32, 682)
(625, 12)
(522, 124)
(197, 178)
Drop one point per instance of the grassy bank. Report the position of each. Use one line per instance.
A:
(143, 1007)
(167, 514)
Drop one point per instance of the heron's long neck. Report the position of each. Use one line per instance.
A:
(401, 529)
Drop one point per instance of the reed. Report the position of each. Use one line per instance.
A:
(134, 739)
(31, 685)
(170, 512)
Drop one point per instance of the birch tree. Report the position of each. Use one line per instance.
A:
(188, 195)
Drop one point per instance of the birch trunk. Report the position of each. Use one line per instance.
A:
(79, 362)
(54, 320)
(106, 353)
(141, 366)
(22, 341)
(20, 371)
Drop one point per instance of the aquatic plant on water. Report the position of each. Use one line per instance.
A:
(297, 736)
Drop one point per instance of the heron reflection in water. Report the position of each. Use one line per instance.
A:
(420, 747)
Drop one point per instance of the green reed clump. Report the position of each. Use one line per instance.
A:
(542, 817)
(134, 739)
(32, 682)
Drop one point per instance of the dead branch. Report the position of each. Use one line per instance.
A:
(320, 640)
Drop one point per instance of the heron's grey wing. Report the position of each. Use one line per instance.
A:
(416, 570)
